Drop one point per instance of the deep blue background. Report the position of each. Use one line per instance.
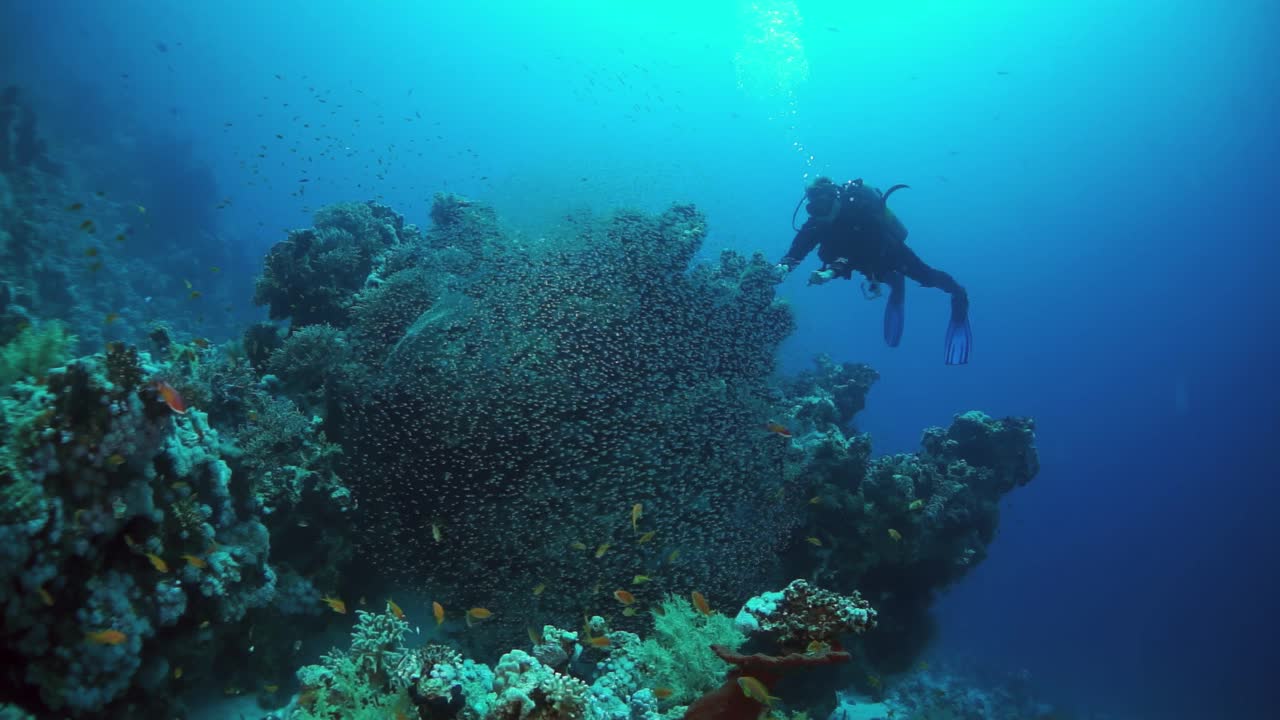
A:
(1101, 178)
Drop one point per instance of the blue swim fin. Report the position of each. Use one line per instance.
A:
(894, 310)
(959, 335)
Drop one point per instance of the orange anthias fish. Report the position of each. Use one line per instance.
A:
(600, 551)
(600, 642)
(700, 603)
(106, 637)
(438, 611)
(624, 597)
(395, 609)
(777, 429)
(158, 562)
(636, 511)
(195, 562)
(335, 605)
(171, 397)
(662, 693)
(480, 613)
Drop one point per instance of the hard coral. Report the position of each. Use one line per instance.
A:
(312, 277)
(804, 624)
(802, 614)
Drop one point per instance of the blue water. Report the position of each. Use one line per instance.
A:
(1100, 178)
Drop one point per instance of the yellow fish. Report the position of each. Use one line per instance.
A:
(755, 690)
(395, 609)
(537, 590)
(700, 602)
(813, 541)
(639, 579)
(437, 610)
(116, 460)
(435, 532)
(629, 611)
(533, 636)
(177, 673)
(271, 688)
(674, 556)
(195, 562)
(895, 535)
(45, 597)
(636, 511)
(579, 546)
(600, 551)
(335, 605)
(477, 613)
(648, 536)
(915, 505)
(158, 562)
(815, 500)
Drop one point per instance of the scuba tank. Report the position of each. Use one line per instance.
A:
(866, 201)
(860, 199)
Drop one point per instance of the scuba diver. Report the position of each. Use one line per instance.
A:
(854, 230)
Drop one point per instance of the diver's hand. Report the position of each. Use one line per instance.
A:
(821, 276)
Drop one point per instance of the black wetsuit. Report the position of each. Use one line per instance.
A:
(866, 237)
(859, 241)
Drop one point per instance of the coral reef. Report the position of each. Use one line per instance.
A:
(131, 546)
(802, 628)
(492, 383)
(578, 425)
(898, 527)
(624, 678)
(21, 146)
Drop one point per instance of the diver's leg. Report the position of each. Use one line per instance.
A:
(894, 310)
(959, 339)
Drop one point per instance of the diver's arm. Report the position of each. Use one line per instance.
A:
(806, 240)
